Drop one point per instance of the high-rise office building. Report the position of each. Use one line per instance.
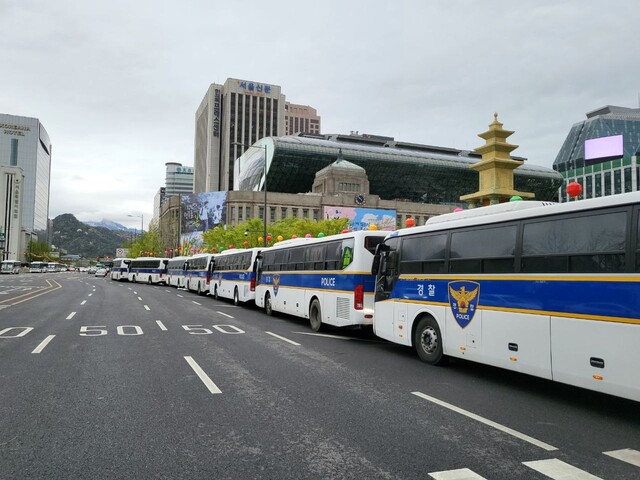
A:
(179, 179)
(300, 119)
(24, 143)
(230, 117)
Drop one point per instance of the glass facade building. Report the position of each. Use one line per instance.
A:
(601, 153)
(24, 143)
(396, 170)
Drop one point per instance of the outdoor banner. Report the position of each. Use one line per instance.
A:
(201, 212)
(362, 218)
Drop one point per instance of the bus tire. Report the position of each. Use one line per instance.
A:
(315, 315)
(268, 309)
(236, 298)
(427, 341)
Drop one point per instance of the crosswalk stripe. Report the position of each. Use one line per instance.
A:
(459, 474)
(626, 455)
(559, 470)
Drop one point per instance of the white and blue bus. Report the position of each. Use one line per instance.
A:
(176, 271)
(148, 270)
(10, 266)
(551, 290)
(119, 269)
(234, 275)
(198, 273)
(326, 280)
(37, 267)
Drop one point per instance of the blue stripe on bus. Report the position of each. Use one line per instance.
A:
(321, 281)
(615, 298)
(234, 276)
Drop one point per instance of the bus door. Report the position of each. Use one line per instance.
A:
(385, 267)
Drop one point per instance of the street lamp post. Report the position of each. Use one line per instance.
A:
(141, 217)
(264, 215)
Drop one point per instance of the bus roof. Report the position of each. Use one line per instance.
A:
(516, 210)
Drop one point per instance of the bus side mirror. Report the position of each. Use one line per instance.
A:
(376, 265)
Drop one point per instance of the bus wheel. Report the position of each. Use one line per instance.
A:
(236, 298)
(315, 315)
(267, 305)
(428, 341)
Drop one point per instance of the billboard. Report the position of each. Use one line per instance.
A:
(603, 148)
(362, 218)
(200, 212)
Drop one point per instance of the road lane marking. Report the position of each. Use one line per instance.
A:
(89, 294)
(559, 470)
(83, 302)
(139, 298)
(326, 335)
(71, 315)
(146, 307)
(31, 294)
(203, 376)
(161, 325)
(488, 422)
(179, 295)
(224, 314)
(193, 301)
(626, 455)
(43, 344)
(282, 338)
(459, 474)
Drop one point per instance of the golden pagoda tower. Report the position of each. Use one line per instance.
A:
(495, 169)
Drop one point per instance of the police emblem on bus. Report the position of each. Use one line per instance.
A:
(463, 299)
(276, 284)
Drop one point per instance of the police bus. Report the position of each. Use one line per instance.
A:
(37, 267)
(234, 275)
(176, 271)
(550, 290)
(147, 270)
(198, 273)
(119, 269)
(10, 266)
(326, 280)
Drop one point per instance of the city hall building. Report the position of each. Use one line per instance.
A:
(396, 170)
(601, 153)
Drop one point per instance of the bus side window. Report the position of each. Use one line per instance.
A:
(347, 253)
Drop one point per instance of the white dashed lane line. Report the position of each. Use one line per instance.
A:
(43, 344)
(224, 314)
(71, 315)
(203, 376)
(283, 338)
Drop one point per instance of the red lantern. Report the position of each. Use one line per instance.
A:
(245, 243)
(574, 189)
(410, 222)
(346, 230)
(268, 238)
(232, 246)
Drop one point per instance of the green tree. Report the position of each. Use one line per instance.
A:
(252, 232)
(148, 244)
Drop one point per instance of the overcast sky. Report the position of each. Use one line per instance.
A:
(117, 83)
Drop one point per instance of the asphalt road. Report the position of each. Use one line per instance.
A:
(100, 379)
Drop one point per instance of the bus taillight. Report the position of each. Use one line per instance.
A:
(252, 285)
(358, 297)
